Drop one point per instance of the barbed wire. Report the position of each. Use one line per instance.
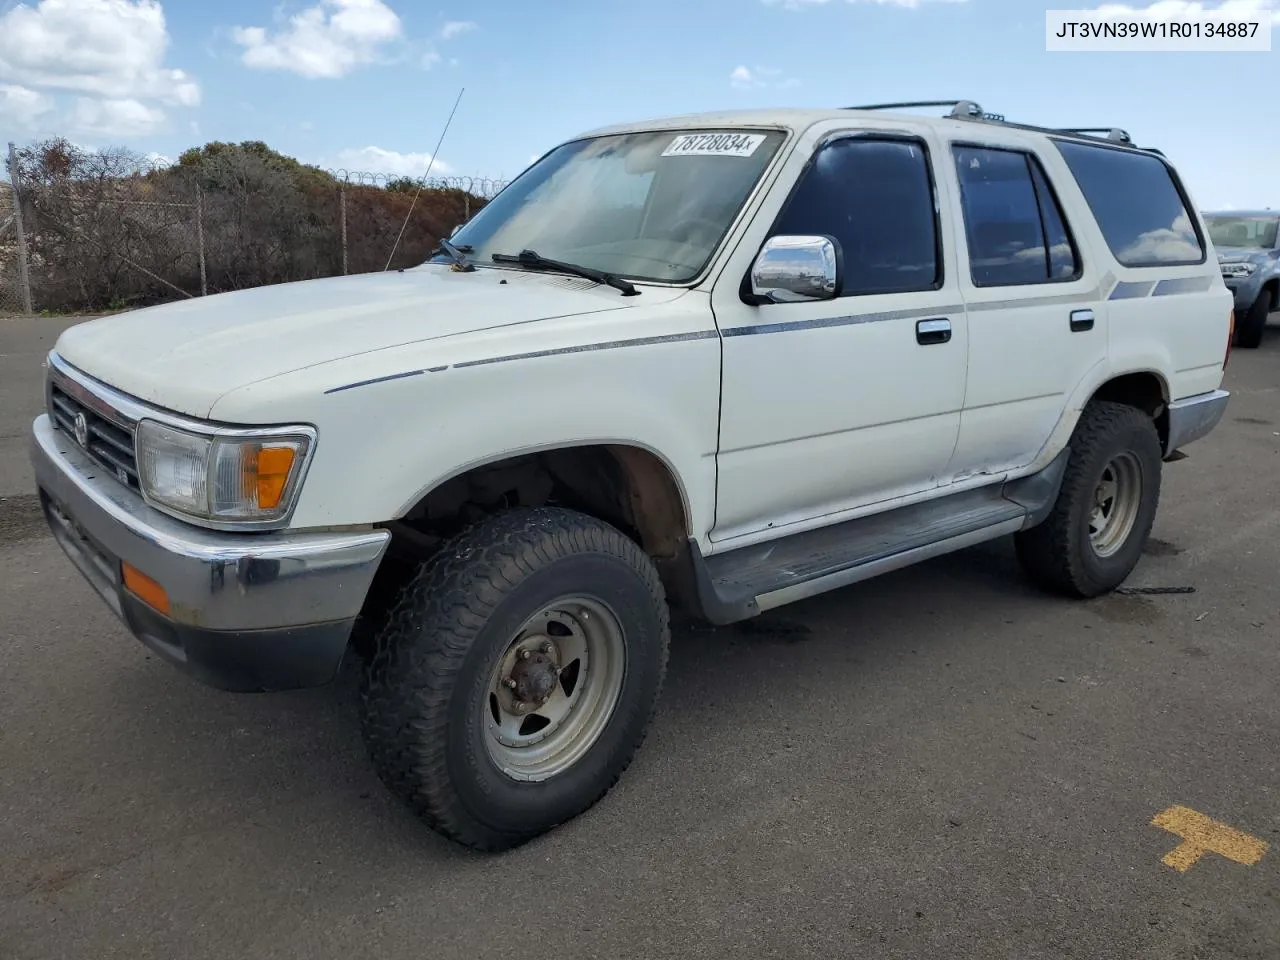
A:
(476, 186)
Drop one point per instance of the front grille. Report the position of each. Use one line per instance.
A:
(108, 434)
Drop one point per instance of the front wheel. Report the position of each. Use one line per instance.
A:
(1250, 328)
(1095, 534)
(516, 677)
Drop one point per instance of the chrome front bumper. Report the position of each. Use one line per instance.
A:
(1193, 418)
(251, 611)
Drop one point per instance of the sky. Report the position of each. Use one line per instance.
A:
(369, 84)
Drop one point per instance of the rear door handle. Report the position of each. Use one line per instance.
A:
(933, 331)
(1081, 320)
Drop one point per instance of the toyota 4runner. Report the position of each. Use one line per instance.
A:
(1248, 246)
(726, 361)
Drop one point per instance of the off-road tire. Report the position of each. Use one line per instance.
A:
(1250, 327)
(1057, 554)
(426, 687)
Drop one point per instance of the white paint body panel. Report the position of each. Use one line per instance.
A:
(824, 420)
(812, 428)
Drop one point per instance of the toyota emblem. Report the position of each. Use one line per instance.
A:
(81, 427)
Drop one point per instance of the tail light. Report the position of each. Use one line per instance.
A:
(1231, 335)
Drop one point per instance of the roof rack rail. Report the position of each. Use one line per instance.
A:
(1112, 133)
(960, 108)
(969, 110)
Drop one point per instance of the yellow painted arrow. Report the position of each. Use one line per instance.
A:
(1200, 835)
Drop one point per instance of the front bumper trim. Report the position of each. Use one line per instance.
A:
(248, 611)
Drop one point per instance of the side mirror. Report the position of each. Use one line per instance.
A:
(796, 269)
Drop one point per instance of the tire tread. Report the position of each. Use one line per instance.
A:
(1051, 553)
(413, 672)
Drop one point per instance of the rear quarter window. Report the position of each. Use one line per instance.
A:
(1138, 205)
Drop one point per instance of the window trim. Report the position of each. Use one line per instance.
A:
(1178, 187)
(1029, 156)
(890, 136)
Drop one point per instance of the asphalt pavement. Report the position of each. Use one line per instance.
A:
(941, 763)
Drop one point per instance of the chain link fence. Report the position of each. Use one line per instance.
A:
(107, 230)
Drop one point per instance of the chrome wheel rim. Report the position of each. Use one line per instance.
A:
(554, 689)
(1117, 500)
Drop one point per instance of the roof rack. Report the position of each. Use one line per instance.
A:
(1112, 133)
(969, 110)
(965, 109)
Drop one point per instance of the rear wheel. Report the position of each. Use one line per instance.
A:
(1094, 537)
(1250, 328)
(515, 679)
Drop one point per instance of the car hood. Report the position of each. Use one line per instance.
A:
(1241, 254)
(184, 356)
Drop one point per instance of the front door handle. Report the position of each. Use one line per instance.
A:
(933, 331)
(1081, 320)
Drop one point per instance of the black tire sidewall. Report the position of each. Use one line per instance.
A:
(519, 807)
(1249, 332)
(1138, 437)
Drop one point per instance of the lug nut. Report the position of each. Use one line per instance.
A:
(509, 683)
(546, 646)
(524, 654)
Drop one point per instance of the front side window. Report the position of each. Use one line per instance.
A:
(1015, 231)
(875, 198)
(1137, 204)
(1243, 232)
(645, 206)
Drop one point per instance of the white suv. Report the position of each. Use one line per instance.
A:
(734, 360)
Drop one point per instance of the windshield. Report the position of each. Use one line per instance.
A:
(1243, 231)
(646, 206)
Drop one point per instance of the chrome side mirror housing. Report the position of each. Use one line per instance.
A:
(796, 269)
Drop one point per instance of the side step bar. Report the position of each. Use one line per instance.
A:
(745, 582)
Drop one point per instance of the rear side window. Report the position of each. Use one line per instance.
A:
(1015, 231)
(1137, 204)
(875, 197)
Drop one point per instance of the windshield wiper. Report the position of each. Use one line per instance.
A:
(535, 261)
(457, 254)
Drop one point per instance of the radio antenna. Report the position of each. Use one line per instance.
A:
(421, 183)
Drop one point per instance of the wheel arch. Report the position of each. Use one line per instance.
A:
(1145, 389)
(656, 499)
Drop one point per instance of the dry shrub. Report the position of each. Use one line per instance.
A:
(106, 229)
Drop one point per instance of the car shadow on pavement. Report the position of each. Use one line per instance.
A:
(257, 753)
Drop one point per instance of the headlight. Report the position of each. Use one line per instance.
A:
(230, 478)
(1238, 269)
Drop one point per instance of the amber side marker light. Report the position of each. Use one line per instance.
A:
(144, 588)
(270, 472)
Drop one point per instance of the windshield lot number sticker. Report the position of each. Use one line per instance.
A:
(725, 144)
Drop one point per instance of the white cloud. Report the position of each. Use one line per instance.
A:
(115, 118)
(328, 40)
(802, 4)
(455, 28)
(107, 48)
(109, 52)
(390, 162)
(1190, 9)
(747, 78)
(22, 106)
(451, 30)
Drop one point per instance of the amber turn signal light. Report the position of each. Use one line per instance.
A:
(144, 588)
